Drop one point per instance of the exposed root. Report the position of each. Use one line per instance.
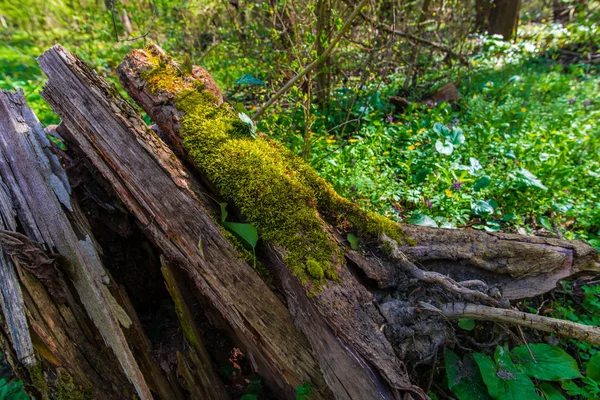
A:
(590, 334)
(440, 279)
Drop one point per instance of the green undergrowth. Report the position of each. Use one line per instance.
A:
(271, 187)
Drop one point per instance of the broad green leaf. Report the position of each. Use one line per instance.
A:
(475, 166)
(464, 379)
(503, 380)
(481, 207)
(551, 362)
(240, 107)
(562, 207)
(456, 136)
(354, 241)
(482, 183)
(444, 148)
(223, 211)
(249, 79)
(467, 324)
(525, 179)
(550, 392)
(440, 129)
(422, 220)
(245, 231)
(421, 175)
(592, 370)
(492, 226)
(546, 223)
(303, 391)
(572, 389)
(248, 121)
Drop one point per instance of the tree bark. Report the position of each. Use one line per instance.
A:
(352, 336)
(504, 18)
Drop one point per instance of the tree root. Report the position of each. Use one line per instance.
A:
(590, 334)
(448, 283)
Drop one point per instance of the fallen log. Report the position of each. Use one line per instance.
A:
(506, 266)
(154, 186)
(329, 295)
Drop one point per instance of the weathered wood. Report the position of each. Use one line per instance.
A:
(11, 297)
(40, 192)
(156, 189)
(205, 383)
(345, 316)
(341, 322)
(353, 333)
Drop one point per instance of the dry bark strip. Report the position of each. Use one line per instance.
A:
(40, 193)
(152, 183)
(11, 297)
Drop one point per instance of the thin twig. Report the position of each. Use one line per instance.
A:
(320, 60)
(590, 334)
(147, 31)
(435, 277)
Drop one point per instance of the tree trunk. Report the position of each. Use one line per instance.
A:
(504, 18)
(331, 295)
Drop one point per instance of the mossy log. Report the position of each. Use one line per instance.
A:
(305, 306)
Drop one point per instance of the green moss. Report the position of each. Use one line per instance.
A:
(315, 270)
(67, 389)
(62, 388)
(38, 380)
(273, 188)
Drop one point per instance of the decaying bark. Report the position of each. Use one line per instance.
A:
(351, 339)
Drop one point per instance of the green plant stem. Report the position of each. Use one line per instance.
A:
(320, 60)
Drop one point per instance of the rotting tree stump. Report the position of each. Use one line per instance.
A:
(90, 242)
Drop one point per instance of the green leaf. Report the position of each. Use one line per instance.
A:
(354, 241)
(503, 380)
(303, 391)
(440, 129)
(249, 396)
(248, 121)
(553, 363)
(550, 392)
(467, 324)
(444, 148)
(245, 231)
(249, 79)
(525, 179)
(562, 207)
(240, 107)
(223, 211)
(421, 175)
(456, 136)
(482, 208)
(59, 143)
(482, 183)
(592, 370)
(188, 67)
(572, 389)
(546, 223)
(464, 379)
(475, 166)
(422, 220)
